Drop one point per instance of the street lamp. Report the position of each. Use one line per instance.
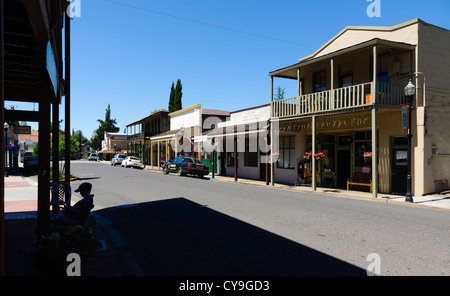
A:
(6, 126)
(410, 90)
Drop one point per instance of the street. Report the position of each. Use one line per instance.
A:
(234, 229)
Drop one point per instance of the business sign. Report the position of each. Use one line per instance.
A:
(51, 67)
(405, 119)
(10, 141)
(22, 129)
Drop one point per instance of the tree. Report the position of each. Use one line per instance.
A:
(107, 125)
(175, 97)
(171, 98)
(279, 95)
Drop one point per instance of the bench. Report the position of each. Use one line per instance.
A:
(360, 179)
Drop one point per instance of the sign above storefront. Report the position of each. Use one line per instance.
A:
(405, 119)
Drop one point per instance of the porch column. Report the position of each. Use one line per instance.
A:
(331, 106)
(374, 154)
(373, 91)
(272, 167)
(2, 147)
(313, 183)
(299, 83)
(67, 97)
(159, 153)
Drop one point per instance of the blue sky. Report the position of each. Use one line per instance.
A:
(127, 53)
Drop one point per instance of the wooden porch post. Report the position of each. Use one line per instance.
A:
(374, 127)
(374, 154)
(272, 164)
(332, 85)
(67, 97)
(43, 202)
(2, 146)
(313, 183)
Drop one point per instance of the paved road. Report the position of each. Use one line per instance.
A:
(170, 225)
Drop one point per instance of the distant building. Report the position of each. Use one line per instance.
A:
(113, 143)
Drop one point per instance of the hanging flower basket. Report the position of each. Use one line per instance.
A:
(307, 155)
(276, 155)
(319, 155)
(367, 156)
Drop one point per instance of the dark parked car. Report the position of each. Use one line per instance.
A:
(30, 163)
(185, 166)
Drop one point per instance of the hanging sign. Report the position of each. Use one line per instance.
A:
(405, 119)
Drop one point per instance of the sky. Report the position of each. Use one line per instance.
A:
(127, 53)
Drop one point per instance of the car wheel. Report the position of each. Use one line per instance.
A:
(165, 170)
(179, 172)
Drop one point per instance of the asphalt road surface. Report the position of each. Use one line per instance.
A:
(171, 225)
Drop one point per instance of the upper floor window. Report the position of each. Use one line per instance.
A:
(320, 81)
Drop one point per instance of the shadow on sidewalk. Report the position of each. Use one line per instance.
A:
(181, 238)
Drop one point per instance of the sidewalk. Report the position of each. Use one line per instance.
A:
(20, 222)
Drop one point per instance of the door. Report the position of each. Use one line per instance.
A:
(399, 170)
(343, 167)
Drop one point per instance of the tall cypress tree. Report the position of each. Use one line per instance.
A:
(177, 97)
(172, 98)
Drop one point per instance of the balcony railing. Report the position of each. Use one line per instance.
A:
(349, 97)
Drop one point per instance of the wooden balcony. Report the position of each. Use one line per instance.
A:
(343, 99)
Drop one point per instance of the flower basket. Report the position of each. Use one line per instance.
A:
(307, 155)
(275, 155)
(319, 155)
(367, 156)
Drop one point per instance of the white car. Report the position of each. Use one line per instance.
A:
(131, 161)
(93, 156)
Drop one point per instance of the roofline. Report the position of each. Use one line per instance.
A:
(375, 41)
(152, 115)
(372, 28)
(175, 113)
(250, 108)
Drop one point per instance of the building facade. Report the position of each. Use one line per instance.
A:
(348, 109)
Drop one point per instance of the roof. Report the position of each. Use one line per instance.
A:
(304, 62)
(215, 112)
(165, 135)
(162, 112)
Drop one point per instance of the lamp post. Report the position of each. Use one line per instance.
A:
(410, 90)
(6, 126)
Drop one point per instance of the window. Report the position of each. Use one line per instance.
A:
(230, 159)
(287, 153)
(250, 158)
(320, 81)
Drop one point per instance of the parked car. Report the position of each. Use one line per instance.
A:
(131, 161)
(186, 166)
(30, 163)
(93, 156)
(117, 159)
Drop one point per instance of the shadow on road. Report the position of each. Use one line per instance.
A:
(180, 237)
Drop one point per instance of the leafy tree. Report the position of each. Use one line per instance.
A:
(107, 125)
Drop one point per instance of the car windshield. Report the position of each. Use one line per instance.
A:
(134, 158)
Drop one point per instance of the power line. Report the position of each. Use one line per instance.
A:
(207, 24)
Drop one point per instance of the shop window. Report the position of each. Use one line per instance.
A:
(360, 160)
(287, 152)
(250, 158)
(230, 159)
